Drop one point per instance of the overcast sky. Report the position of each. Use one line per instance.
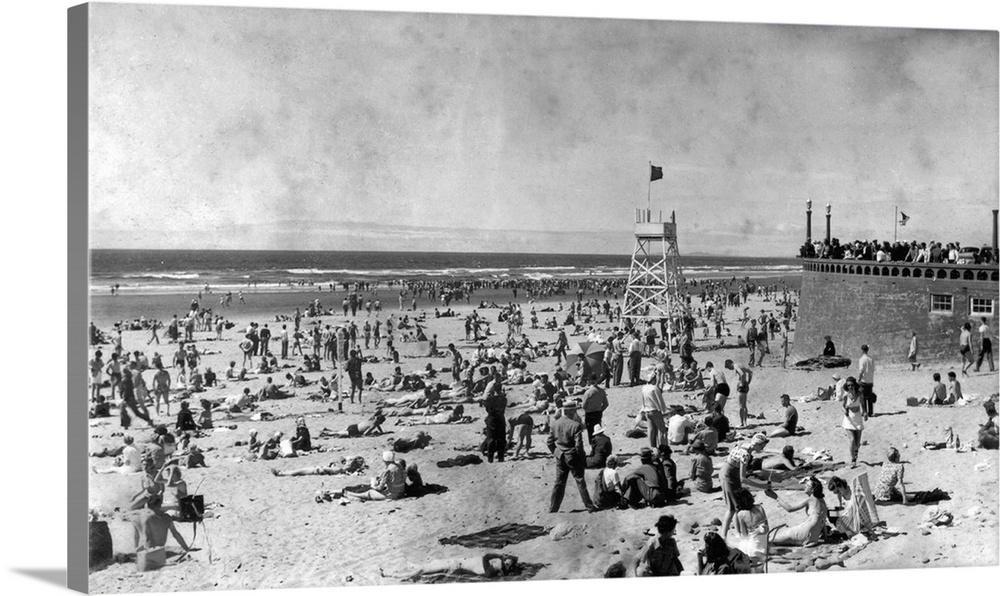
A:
(290, 129)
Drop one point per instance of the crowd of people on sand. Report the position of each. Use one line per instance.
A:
(898, 252)
(566, 400)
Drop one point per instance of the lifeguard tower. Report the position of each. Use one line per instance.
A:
(655, 288)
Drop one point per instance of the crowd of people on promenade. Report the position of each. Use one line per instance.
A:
(567, 397)
(911, 251)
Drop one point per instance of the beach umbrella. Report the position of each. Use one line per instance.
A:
(589, 354)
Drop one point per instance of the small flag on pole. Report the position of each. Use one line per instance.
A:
(656, 173)
(903, 218)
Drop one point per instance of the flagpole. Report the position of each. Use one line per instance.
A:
(649, 185)
(895, 224)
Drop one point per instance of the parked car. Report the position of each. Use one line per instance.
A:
(967, 255)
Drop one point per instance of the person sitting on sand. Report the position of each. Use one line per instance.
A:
(205, 417)
(717, 558)
(301, 441)
(185, 419)
(371, 426)
(751, 526)
(989, 437)
(891, 474)
(271, 449)
(645, 484)
(127, 461)
(660, 557)
(810, 531)
(254, 444)
(721, 425)
(343, 467)
(152, 526)
(608, 487)
(490, 565)
(858, 514)
(151, 485)
(600, 449)
(231, 372)
(271, 391)
(100, 409)
(672, 489)
(701, 468)
(679, 427)
(707, 435)
(174, 486)
(789, 426)
(390, 485)
(954, 389)
(939, 393)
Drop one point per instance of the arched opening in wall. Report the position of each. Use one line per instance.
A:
(850, 269)
(868, 270)
(885, 271)
(956, 274)
(968, 275)
(994, 276)
(906, 273)
(875, 271)
(895, 272)
(917, 273)
(942, 274)
(983, 276)
(839, 269)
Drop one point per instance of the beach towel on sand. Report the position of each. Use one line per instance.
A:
(460, 460)
(497, 537)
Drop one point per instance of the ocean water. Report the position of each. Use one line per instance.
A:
(179, 270)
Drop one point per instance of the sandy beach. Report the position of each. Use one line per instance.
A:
(265, 531)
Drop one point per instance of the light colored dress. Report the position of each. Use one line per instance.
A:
(885, 489)
(853, 419)
(754, 542)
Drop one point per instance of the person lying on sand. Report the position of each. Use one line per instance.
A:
(343, 467)
(456, 416)
(489, 565)
(371, 426)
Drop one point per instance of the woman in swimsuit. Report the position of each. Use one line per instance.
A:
(811, 530)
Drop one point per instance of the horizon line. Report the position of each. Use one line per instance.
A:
(690, 254)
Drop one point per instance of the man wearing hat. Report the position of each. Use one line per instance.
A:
(646, 483)
(600, 448)
(566, 444)
(595, 401)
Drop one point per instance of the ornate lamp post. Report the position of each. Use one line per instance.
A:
(809, 220)
(828, 223)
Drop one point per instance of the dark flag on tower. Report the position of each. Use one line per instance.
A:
(903, 218)
(656, 173)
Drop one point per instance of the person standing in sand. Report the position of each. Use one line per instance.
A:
(653, 408)
(743, 377)
(985, 345)
(911, 355)
(96, 371)
(866, 381)
(566, 444)
(965, 348)
(854, 417)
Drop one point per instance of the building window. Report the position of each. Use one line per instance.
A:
(981, 306)
(941, 303)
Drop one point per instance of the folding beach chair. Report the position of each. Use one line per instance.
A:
(759, 564)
